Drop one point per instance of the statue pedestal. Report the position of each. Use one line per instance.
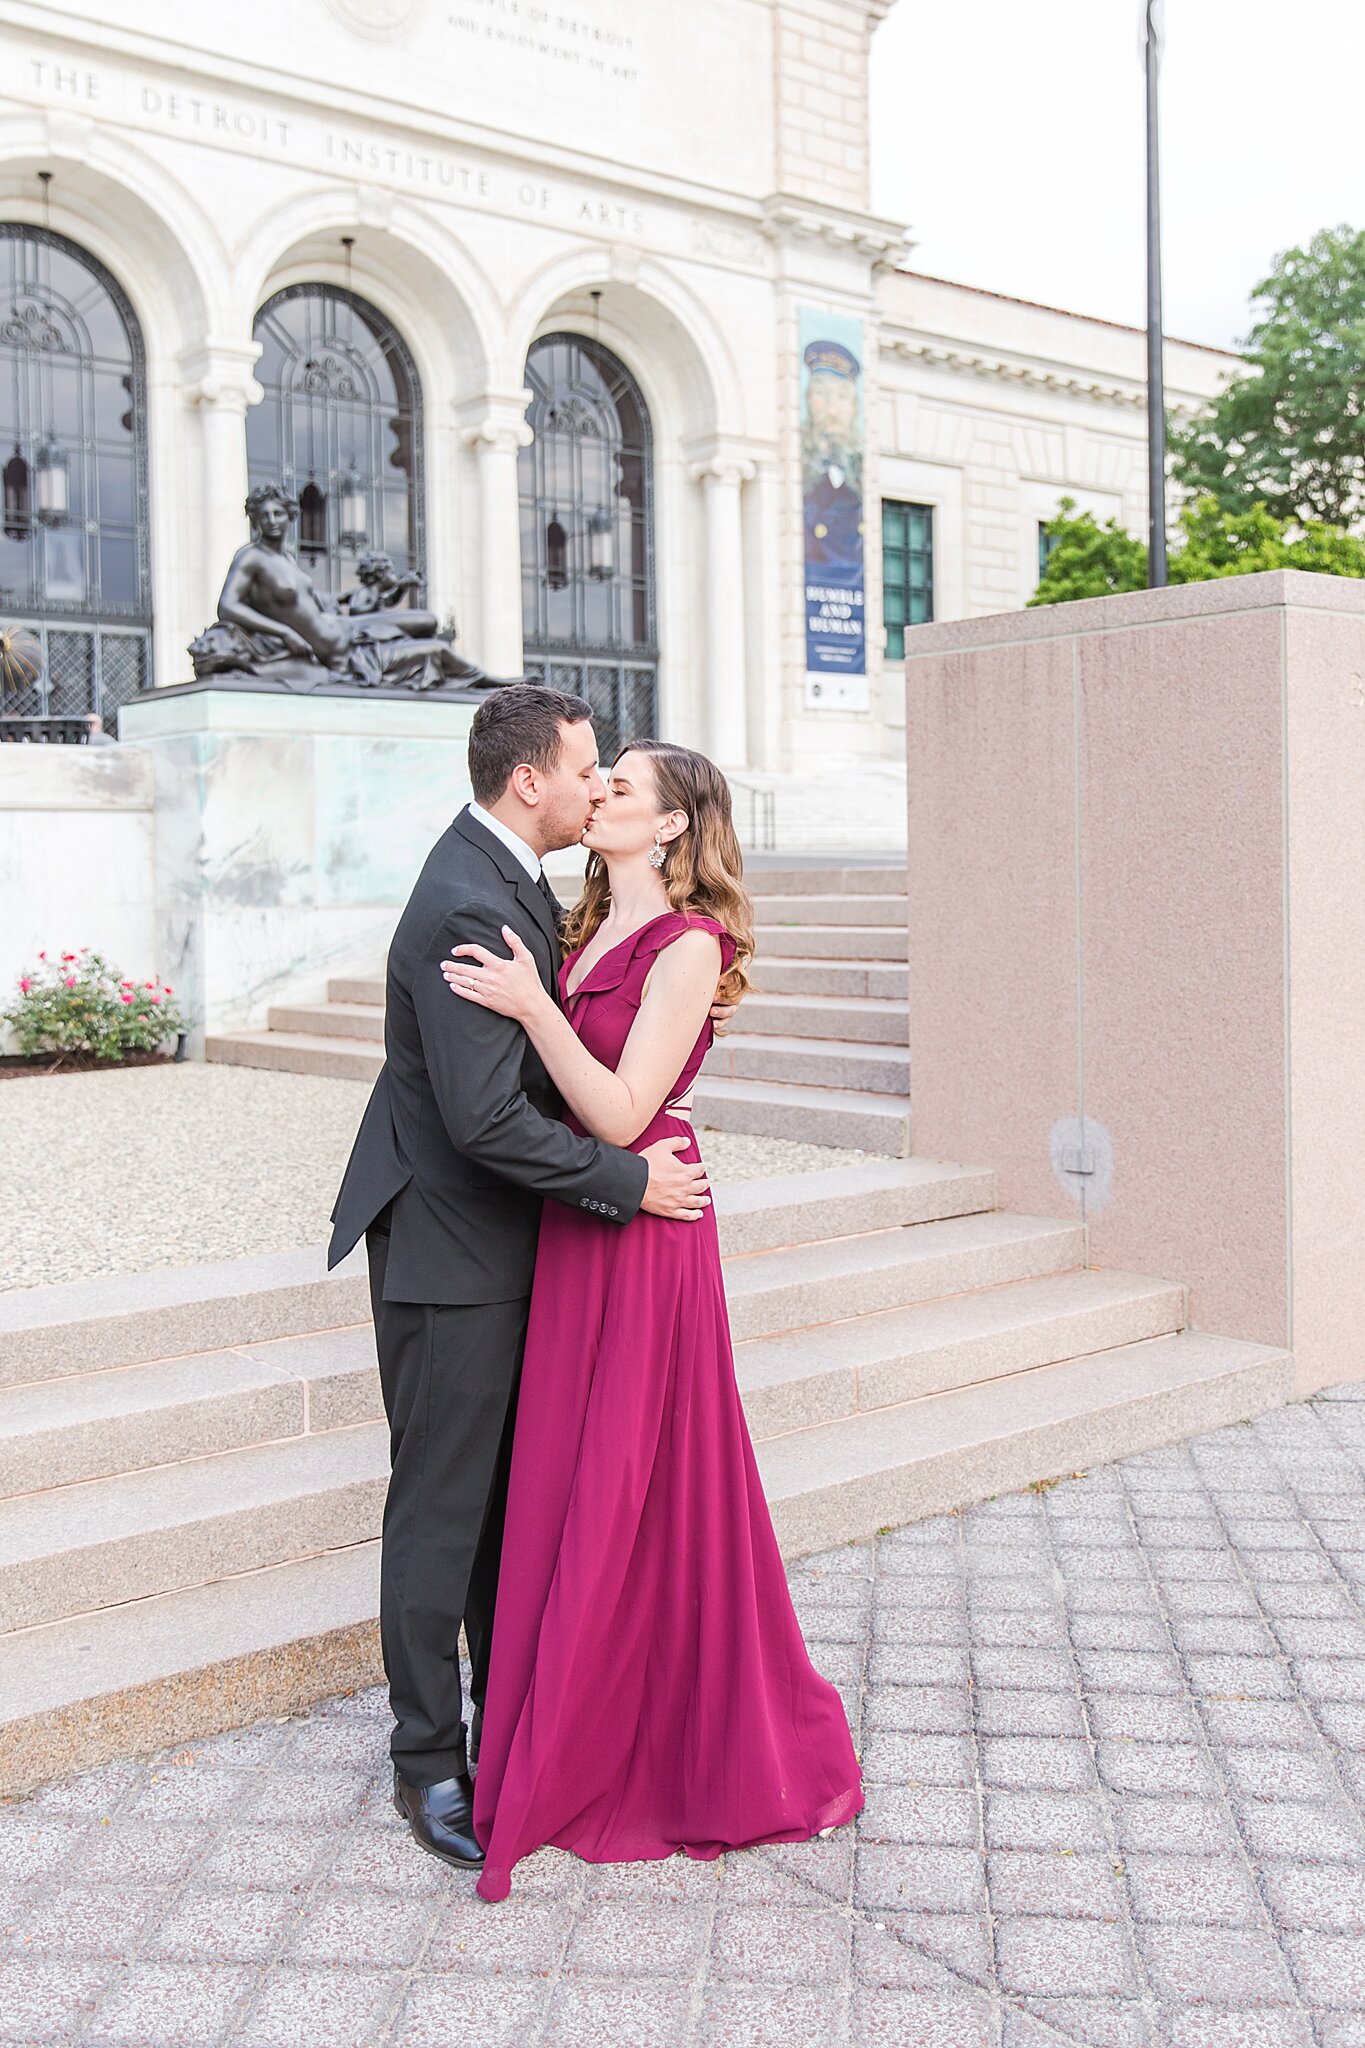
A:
(289, 832)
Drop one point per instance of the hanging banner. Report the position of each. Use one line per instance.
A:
(832, 447)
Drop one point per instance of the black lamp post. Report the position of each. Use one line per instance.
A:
(1156, 392)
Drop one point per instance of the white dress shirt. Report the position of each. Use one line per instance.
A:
(527, 855)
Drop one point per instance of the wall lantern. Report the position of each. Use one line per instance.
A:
(601, 547)
(355, 510)
(51, 482)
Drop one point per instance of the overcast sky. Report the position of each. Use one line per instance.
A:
(1009, 135)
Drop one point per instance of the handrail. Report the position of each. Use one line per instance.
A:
(762, 808)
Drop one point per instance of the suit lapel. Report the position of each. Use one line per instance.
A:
(525, 890)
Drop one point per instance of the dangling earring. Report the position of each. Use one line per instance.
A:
(657, 856)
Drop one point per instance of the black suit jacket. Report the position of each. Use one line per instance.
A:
(461, 1133)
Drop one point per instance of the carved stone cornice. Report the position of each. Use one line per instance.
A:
(786, 218)
(1005, 371)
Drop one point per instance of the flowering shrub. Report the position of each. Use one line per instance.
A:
(78, 1003)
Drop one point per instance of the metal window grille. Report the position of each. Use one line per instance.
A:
(907, 571)
(589, 599)
(85, 669)
(340, 425)
(75, 563)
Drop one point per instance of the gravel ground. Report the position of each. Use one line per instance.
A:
(167, 1166)
(1113, 1738)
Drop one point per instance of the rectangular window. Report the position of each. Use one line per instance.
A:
(907, 571)
(1046, 543)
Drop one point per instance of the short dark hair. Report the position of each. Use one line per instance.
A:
(517, 723)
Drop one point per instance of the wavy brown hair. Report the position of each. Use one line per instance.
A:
(703, 871)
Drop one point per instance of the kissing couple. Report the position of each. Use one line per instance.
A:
(568, 1443)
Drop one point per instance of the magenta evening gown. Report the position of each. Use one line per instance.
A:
(649, 1689)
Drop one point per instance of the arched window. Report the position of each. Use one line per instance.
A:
(74, 558)
(587, 535)
(341, 427)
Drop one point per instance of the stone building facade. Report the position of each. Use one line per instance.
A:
(358, 239)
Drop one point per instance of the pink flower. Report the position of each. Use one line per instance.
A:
(125, 997)
(125, 984)
(154, 997)
(24, 984)
(68, 956)
(170, 991)
(42, 956)
(149, 984)
(70, 980)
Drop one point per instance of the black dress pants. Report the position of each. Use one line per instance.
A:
(450, 1378)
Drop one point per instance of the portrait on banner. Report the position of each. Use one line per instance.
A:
(833, 517)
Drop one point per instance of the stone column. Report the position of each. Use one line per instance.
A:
(219, 386)
(722, 479)
(496, 438)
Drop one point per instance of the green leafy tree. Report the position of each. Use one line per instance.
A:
(1086, 559)
(1090, 560)
(1289, 430)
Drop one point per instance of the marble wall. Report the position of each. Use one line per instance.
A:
(289, 831)
(76, 856)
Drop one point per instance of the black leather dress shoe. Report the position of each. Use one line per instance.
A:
(441, 1818)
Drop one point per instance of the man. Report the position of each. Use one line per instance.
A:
(831, 457)
(458, 1144)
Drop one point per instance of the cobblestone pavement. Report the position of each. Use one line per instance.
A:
(1113, 1731)
(216, 1163)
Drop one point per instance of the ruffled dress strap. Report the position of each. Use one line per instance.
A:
(661, 931)
(620, 963)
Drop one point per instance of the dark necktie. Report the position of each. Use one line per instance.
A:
(551, 900)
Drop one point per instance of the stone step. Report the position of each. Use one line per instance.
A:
(139, 1534)
(133, 1534)
(796, 1288)
(848, 1479)
(856, 1016)
(861, 1020)
(856, 1118)
(831, 941)
(89, 1326)
(135, 1417)
(130, 1418)
(367, 989)
(884, 980)
(848, 909)
(298, 1052)
(846, 1201)
(831, 881)
(775, 974)
(134, 1677)
(811, 1062)
(802, 1378)
(329, 1020)
(166, 1669)
(83, 1326)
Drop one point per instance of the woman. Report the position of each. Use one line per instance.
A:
(649, 1689)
